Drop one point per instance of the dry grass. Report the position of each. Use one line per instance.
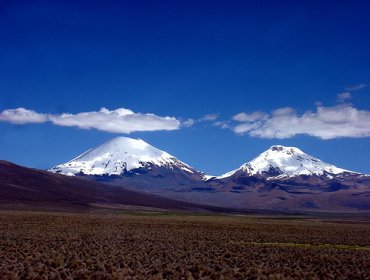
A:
(73, 246)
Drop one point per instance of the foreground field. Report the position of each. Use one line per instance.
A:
(142, 246)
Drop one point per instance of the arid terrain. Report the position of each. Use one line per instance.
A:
(159, 245)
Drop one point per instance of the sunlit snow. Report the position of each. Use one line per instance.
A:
(118, 156)
(288, 162)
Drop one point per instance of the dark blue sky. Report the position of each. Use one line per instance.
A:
(183, 59)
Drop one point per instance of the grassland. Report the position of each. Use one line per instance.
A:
(169, 246)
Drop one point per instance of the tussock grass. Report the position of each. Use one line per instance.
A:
(169, 246)
(312, 246)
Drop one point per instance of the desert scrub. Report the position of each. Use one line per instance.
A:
(86, 246)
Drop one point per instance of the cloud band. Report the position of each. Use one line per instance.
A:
(338, 121)
(120, 120)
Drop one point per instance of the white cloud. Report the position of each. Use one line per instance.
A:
(188, 123)
(356, 87)
(283, 111)
(116, 121)
(325, 123)
(209, 117)
(205, 118)
(344, 96)
(245, 127)
(243, 117)
(22, 116)
(222, 124)
(120, 120)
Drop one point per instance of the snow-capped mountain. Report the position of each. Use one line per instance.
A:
(287, 178)
(279, 178)
(284, 162)
(119, 156)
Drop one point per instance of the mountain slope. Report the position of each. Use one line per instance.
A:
(21, 186)
(285, 162)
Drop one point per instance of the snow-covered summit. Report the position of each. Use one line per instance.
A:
(119, 156)
(282, 162)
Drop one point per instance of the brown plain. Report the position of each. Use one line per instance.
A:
(138, 245)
